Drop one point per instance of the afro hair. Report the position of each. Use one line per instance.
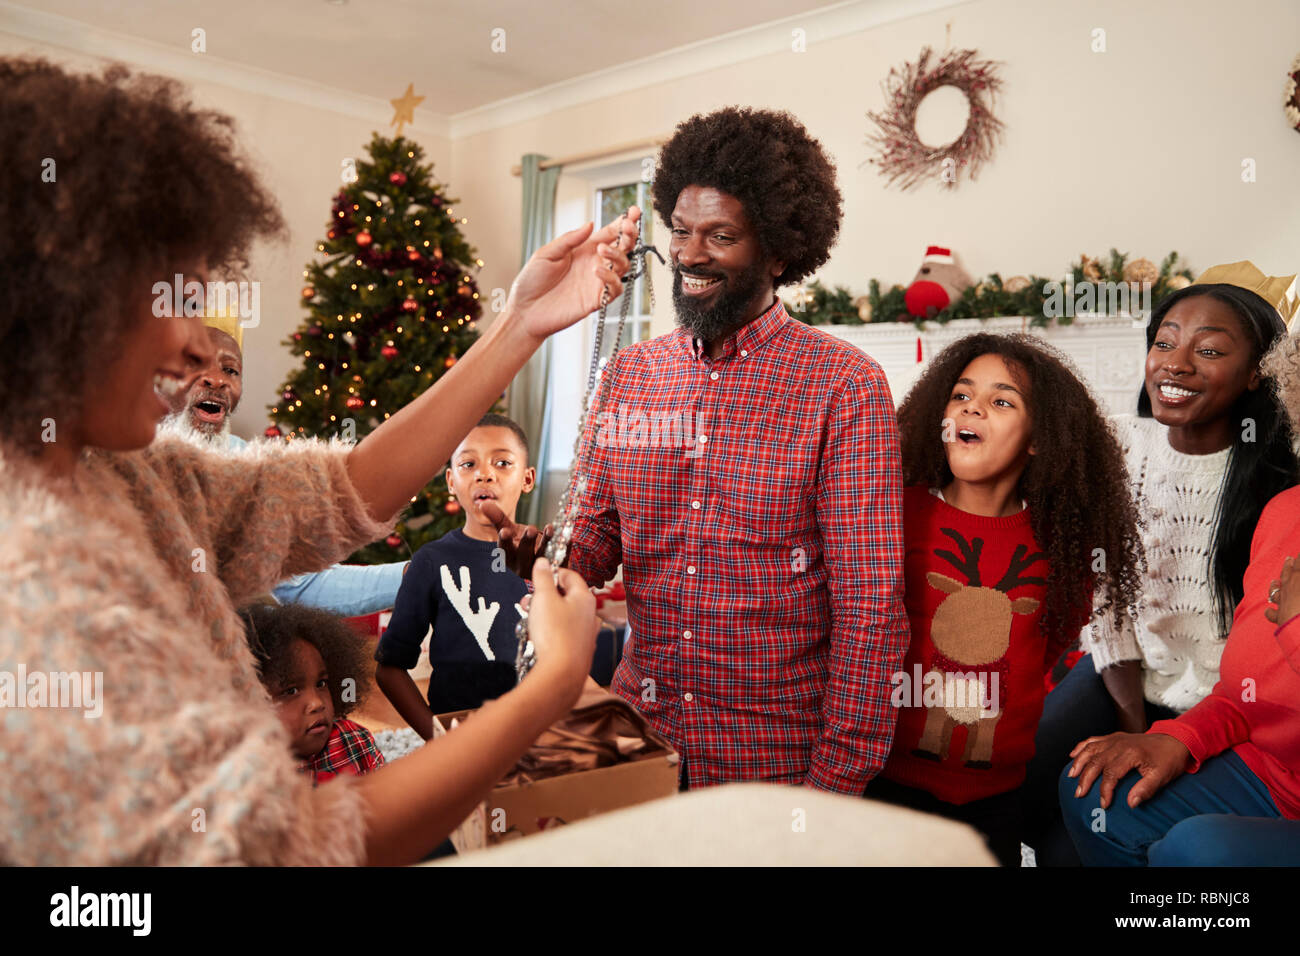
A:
(271, 630)
(766, 160)
(147, 183)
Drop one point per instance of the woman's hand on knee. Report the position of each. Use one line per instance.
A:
(1159, 758)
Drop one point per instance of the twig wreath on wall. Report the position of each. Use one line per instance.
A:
(902, 158)
(1291, 95)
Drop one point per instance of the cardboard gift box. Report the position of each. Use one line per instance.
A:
(542, 792)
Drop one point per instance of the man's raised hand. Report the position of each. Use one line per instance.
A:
(522, 543)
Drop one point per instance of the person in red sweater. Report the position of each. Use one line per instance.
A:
(1016, 509)
(1220, 784)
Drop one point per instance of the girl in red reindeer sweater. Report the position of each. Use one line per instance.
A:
(1016, 509)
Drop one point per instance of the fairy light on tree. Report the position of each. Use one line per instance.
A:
(369, 343)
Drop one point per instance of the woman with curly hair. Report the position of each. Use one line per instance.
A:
(1218, 785)
(1016, 510)
(317, 671)
(125, 557)
(1207, 450)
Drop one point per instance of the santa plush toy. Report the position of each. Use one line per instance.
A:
(938, 284)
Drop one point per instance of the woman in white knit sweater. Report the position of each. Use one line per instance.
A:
(1208, 449)
(124, 560)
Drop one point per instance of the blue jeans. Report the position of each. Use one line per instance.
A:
(1077, 708)
(1218, 839)
(1171, 828)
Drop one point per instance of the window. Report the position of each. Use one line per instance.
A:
(611, 201)
(602, 195)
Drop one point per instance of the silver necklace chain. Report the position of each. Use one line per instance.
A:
(567, 510)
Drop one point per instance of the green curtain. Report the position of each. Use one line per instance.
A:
(529, 396)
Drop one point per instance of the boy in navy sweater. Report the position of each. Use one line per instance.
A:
(460, 587)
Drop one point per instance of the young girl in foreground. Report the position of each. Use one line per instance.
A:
(306, 658)
(1016, 510)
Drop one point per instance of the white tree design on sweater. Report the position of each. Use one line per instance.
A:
(479, 622)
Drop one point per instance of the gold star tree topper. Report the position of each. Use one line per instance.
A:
(405, 106)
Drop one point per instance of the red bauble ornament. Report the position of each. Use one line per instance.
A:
(413, 255)
(393, 541)
(315, 331)
(364, 239)
(449, 361)
(297, 336)
(388, 352)
(354, 402)
(289, 395)
(398, 178)
(331, 234)
(272, 431)
(308, 292)
(464, 290)
(410, 305)
(451, 507)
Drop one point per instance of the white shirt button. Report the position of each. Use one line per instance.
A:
(703, 439)
(690, 569)
(695, 505)
(743, 353)
(714, 376)
(687, 697)
(687, 634)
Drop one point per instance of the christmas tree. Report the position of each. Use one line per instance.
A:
(392, 304)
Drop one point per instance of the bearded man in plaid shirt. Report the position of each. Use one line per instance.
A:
(745, 471)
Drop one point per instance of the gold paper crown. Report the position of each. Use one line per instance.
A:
(1277, 291)
(228, 322)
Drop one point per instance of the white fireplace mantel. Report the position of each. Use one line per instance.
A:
(1107, 350)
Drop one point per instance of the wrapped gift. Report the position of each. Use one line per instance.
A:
(603, 756)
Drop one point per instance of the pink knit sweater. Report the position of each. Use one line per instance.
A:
(136, 573)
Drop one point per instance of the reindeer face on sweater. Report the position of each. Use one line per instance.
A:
(973, 624)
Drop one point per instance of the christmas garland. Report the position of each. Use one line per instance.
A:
(905, 160)
(991, 297)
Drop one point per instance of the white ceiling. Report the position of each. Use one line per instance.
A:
(375, 47)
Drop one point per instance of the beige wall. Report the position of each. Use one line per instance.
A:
(299, 151)
(1139, 147)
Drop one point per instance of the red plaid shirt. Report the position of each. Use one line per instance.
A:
(755, 502)
(350, 749)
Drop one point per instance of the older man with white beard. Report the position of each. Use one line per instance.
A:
(204, 408)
